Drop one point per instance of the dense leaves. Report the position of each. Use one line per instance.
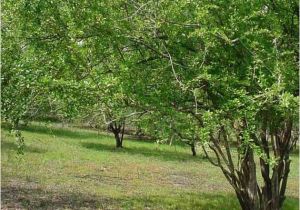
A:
(222, 75)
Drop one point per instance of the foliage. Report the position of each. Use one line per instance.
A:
(225, 78)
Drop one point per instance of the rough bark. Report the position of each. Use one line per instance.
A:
(193, 149)
(118, 140)
(242, 177)
(248, 191)
(118, 131)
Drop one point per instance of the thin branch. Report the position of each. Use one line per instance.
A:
(172, 66)
(208, 157)
(126, 116)
(136, 12)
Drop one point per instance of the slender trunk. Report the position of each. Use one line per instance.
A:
(273, 191)
(243, 202)
(193, 148)
(249, 193)
(122, 132)
(243, 176)
(118, 140)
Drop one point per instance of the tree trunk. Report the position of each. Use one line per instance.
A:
(243, 176)
(118, 140)
(193, 148)
(118, 131)
(272, 194)
(248, 194)
(273, 191)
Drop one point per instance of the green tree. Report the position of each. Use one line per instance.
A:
(75, 60)
(235, 72)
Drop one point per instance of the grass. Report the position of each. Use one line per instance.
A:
(68, 168)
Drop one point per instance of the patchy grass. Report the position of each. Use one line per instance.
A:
(75, 168)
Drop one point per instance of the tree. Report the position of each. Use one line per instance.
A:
(171, 128)
(238, 79)
(81, 63)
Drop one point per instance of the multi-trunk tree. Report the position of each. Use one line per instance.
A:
(234, 71)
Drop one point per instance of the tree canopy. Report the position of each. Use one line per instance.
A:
(219, 74)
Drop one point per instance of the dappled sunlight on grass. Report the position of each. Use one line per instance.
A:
(13, 146)
(145, 151)
(36, 198)
(74, 168)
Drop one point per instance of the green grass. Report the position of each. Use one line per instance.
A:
(70, 168)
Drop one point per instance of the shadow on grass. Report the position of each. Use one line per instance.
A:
(77, 134)
(36, 198)
(13, 146)
(13, 197)
(199, 201)
(186, 201)
(147, 152)
(295, 151)
(72, 134)
(81, 134)
(61, 132)
(25, 197)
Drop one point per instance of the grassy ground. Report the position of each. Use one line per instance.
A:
(79, 169)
